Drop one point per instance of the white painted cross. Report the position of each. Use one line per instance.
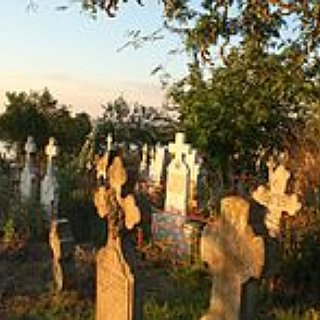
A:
(274, 198)
(179, 147)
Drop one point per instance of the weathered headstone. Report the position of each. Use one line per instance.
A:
(62, 245)
(49, 184)
(28, 181)
(275, 199)
(117, 296)
(234, 255)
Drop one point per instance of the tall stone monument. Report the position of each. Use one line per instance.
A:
(117, 291)
(234, 255)
(275, 199)
(49, 185)
(28, 180)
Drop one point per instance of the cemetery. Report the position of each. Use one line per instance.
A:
(202, 206)
(147, 248)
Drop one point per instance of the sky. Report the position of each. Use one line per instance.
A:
(77, 57)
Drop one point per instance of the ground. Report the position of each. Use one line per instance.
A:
(27, 292)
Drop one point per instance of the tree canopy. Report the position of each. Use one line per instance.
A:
(38, 114)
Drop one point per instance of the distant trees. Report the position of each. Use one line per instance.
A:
(137, 124)
(38, 114)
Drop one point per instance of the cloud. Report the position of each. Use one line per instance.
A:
(81, 94)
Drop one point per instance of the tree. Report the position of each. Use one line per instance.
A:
(137, 123)
(39, 115)
(260, 101)
(208, 23)
(21, 118)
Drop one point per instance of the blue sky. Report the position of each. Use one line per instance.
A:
(76, 57)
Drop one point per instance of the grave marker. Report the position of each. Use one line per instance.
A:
(28, 182)
(117, 296)
(234, 254)
(62, 245)
(274, 198)
(49, 184)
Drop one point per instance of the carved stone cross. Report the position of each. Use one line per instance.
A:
(117, 291)
(107, 200)
(179, 147)
(234, 254)
(273, 197)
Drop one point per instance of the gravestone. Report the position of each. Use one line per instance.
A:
(178, 177)
(28, 181)
(169, 225)
(62, 245)
(275, 199)
(49, 184)
(194, 167)
(101, 166)
(109, 142)
(144, 161)
(157, 168)
(234, 255)
(118, 296)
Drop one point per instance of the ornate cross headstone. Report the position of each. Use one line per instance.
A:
(178, 177)
(28, 183)
(275, 199)
(49, 184)
(234, 254)
(116, 288)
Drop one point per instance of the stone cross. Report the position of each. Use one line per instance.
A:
(158, 165)
(30, 148)
(234, 254)
(179, 147)
(101, 167)
(144, 160)
(117, 298)
(273, 197)
(49, 184)
(28, 181)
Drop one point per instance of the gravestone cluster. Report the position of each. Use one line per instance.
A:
(61, 240)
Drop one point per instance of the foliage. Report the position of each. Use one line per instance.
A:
(255, 103)
(8, 230)
(207, 23)
(137, 124)
(39, 115)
